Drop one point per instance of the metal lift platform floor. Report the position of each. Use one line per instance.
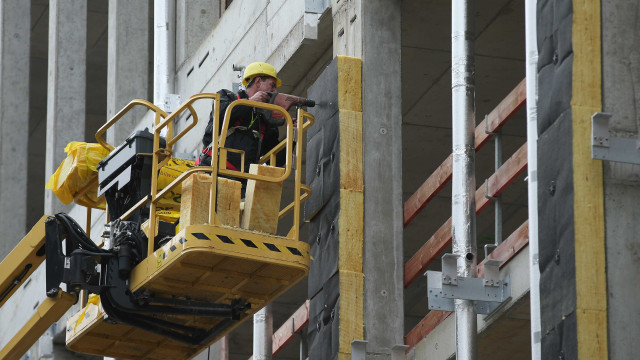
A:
(206, 263)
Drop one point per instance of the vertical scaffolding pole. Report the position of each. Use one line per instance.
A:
(164, 52)
(304, 344)
(532, 172)
(224, 348)
(463, 180)
(263, 334)
(498, 201)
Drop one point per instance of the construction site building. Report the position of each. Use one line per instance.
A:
(566, 231)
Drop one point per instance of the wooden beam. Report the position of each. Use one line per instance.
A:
(228, 197)
(194, 202)
(428, 190)
(496, 184)
(506, 251)
(290, 328)
(427, 253)
(501, 179)
(424, 327)
(439, 178)
(501, 113)
(262, 200)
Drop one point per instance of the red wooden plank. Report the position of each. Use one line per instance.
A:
(497, 183)
(293, 325)
(439, 178)
(501, 113)
(424, 327)
(427, 191)
(427, 253)
(501, 179)
(506, 251)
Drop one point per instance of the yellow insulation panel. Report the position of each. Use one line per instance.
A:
(590, 261)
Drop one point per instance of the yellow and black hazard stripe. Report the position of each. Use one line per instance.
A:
(162, 254)
(254, 244)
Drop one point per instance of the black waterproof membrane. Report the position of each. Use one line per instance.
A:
(323, 210)
(555, 180)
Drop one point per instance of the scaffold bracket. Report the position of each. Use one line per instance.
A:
(605, 146)
(487, 293)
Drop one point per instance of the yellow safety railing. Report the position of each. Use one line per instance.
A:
(218, 158)
(137, 102)
(288, 141)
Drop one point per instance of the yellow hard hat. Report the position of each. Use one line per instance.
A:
(257, 69)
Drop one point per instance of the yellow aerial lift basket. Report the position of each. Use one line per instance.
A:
(220, 268)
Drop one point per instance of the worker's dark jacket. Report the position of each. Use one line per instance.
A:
(248, 131)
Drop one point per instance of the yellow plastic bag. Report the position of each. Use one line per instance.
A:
(76, 172)
(166, 175)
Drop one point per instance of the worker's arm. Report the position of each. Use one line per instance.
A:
(238, 112)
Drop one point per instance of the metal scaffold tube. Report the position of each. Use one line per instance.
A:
(463, 178)
(532, 172)
(262, 334)
(164, 51)
(224, 348)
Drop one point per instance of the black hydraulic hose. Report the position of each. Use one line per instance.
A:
(75, 235)
(91, 253)
(74, 230)
(179, 332)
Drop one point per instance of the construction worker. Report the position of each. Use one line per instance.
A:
(250, 130)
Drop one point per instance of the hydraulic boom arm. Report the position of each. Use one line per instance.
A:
(23, 260)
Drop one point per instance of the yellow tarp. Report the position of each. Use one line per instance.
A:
(166, 175)
(76, 172)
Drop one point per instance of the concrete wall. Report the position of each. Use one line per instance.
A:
(194, 21)
(621, 98)
(238, 38)
(14, 120)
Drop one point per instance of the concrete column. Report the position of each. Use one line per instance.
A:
(128, 63)
(370, 29)
(195, 19)
(14, 120)
(382, 143)
(621, 98)
(66, 85)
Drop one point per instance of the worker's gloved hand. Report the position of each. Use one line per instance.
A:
(261, 96)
